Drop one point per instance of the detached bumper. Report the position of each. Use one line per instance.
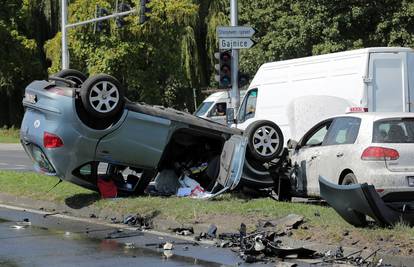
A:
(354, 202)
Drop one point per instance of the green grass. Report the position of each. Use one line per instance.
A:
(328, 226)
(9, 135)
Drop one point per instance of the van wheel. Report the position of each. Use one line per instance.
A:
(102, 96)
(265, 140)
(349, 179)
(73, 75)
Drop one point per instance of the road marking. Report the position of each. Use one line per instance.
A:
(4, 164)
(21, 166)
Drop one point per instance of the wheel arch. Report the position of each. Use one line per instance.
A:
(343, 174)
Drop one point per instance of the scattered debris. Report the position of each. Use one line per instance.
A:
(168, 246)
(50, 214)
(129, 245)
(92, 216)
(185, 231)
(107, 187)
(121, 234)
(143, 222)
(162, 244)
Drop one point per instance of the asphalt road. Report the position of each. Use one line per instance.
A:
(13, 157)
(56, 241)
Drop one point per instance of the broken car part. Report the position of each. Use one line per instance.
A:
(356, 201)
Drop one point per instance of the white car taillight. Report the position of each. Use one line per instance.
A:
(379, 153)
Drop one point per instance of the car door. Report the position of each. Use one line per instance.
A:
(306, 159)
(231, 165)
(339, 149)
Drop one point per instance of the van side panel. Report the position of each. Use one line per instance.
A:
(339, 76)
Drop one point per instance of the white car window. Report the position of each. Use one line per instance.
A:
(343, 131)
(398, 130)
(316, 139)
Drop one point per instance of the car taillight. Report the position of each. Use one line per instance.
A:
(379, 153)
(51, 140)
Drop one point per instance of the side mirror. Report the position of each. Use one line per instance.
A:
(292, 144)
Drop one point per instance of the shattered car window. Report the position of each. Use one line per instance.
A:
(343, 131)
(393, 131)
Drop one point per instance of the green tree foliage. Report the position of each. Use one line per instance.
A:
(19, 61)
(156, 61)
(297, 28)
(161, 61)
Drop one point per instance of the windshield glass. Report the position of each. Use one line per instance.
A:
(393, 131)
(203, 108)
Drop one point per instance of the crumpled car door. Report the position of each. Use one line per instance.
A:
(231, 165)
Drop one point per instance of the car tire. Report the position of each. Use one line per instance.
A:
(349, 179)
(73, 75)
(102, 96)
(265, 140)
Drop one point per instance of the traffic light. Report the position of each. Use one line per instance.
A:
(224, 68)
(101, 25)
(123, 7)
(145, 10)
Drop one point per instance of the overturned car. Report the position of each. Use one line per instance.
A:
(77, 128)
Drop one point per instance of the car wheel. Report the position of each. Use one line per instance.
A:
(349, 179)
(265, 140)
(102, 96)
(73, 75)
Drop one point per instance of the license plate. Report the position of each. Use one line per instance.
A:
(30, 98)
(410, 181)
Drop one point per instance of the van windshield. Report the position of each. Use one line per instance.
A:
(203, 108)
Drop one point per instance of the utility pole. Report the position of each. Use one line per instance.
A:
(65, 51)
(235, 93)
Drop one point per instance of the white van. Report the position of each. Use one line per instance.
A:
(214, 107)
(287, 97)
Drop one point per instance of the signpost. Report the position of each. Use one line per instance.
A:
(235, 43)
(233, 38)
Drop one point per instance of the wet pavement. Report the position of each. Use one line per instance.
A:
(54, 241)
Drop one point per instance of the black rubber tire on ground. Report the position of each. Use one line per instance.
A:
(74, 75)
(350, 178)
(270, 133)
(99, 91)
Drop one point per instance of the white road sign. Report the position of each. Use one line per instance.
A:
(235, 43)
(235, 31)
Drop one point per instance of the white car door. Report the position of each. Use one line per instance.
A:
(339, 149)
(306, 159)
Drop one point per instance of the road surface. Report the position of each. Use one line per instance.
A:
(13, 157)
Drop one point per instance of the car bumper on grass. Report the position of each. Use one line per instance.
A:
(357, 201)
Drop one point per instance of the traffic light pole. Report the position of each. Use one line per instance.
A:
(65, 50)
(235, 93)
(66, 26)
